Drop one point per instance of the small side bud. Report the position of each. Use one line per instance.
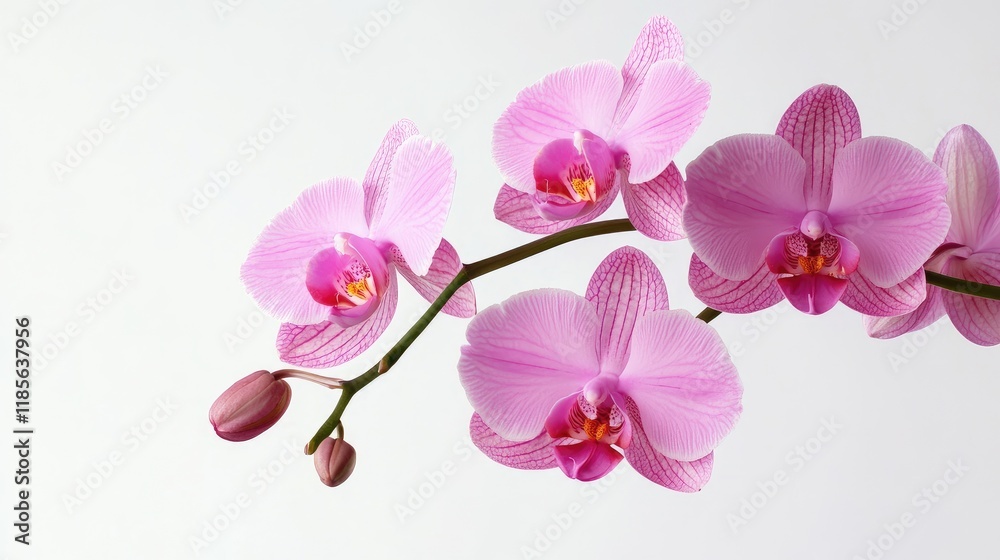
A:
(251, 406)
(334, 460)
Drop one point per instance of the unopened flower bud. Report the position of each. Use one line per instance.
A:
(251, 406)
(334, 460)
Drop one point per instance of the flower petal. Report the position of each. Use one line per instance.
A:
(445, 265)
(814, 294)
(973, 187)
(742, 191)
(587, 460)
(516, 209)
(864, 296)
(671, 104)
(576, 98)
(325, 344)
(376, 182)
(685, 386)
(658, 40)
(683, 476)
(656, 207)
(534, 454)
(818, 124)
(889, 199)
(923, 316)
(275, 270)
(524, 355)
(625, 286)
(418, 198)
(978, 319)
(760, 291)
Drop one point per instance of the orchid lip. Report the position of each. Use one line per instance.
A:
(572, 175)
(350, 277)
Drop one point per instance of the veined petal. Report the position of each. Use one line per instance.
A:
(889, 199)
(978, 319)
(417, 201)
(656, 207)
(742, 191)
(818, 124)
(275, 270)
(625, 286)
(685, 386)
(683, 476)
(376, 182)
(516, 209)
(973, 188)
(671, 104)
(576, 98)
(923, 316)
(534, 454)
(326, 344)
(445, 265)
(658, 40)
(760, 291)
(524, 355)
(586, 460)
(864, 296)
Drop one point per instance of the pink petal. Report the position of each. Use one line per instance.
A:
(524, 355)
(376, 181)
(925, 314)
(576, 98)
(417, 201)
(444, 267)
(973, 188)
(534, 454)
(671, 105)
(685, 387)
(978, 319)
(889, 199)
(760, 291)
(587, 460)
(656, 208)
(864, 296)
(818, 124)
(326, 345)
(683, 476)
(516, 209)
(658, 40)
(814, 294)
(625, 286)
(275, 270)
(742, 192)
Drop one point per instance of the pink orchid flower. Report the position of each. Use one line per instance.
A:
(972, 249)
(557, 379)
(327, 264)
(571, 141)
(815, 214)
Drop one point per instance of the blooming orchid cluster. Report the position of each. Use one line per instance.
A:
(814, 213)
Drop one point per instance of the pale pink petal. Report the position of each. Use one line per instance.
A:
(444, 267)
(685, 386)
(534, 454)
(524, 355)
(926, 314)
(625, 286)
(576, 98)
(656, 208)
(275, 270)
(376, 182)
(760, 291)
(742, 191)
(417, 201)
(978, 319)
(586, 460)
(973, 188)
(671, 105)
(864, 296)
(814, 294)
(818, 124)
(889, 199)
(658, 40)
(516, 209)
(683, 476)
(325, 344)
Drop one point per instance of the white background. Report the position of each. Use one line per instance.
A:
(151, 358)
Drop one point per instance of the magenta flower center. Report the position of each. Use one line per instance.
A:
(571, 175)
(349, 277)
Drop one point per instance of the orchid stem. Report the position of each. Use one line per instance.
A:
(708, 314)
(962, 286)
(328, 382)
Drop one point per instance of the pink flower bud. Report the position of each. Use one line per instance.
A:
(334, 460)
(251, 406)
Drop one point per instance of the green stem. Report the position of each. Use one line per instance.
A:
(466, 274)
(963, 286)
(708, 314)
